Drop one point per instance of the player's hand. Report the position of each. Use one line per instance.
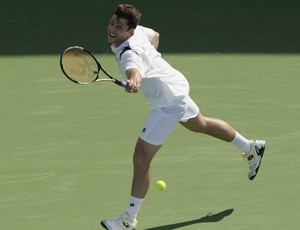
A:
(133, 81)
(133, 86)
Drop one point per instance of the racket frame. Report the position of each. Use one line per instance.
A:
(97, 79)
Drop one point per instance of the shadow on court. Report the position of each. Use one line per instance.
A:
(206, 219)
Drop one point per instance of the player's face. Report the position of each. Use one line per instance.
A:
(118, 31)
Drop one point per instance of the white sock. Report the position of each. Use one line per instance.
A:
(134, 207)
(241, 142)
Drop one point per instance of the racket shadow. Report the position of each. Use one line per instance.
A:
(208, 218)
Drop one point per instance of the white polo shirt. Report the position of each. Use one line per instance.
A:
(161, 83)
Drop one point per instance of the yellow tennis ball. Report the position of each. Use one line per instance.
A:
(160, 185)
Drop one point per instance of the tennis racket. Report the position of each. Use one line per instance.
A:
(81, 66)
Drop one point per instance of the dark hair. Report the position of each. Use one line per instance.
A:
(130, 13)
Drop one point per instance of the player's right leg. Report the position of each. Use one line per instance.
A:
(119, 223)
(158, 126)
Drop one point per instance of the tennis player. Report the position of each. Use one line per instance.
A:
(167, 91)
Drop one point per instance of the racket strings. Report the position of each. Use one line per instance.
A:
(80, 66)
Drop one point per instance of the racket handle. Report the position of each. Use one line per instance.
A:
(121, 83)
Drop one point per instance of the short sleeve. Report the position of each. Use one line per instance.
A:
(148, 32)
(130, 60)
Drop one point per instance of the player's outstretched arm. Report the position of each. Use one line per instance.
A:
(133, 80)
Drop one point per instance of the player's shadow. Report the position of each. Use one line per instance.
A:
(208, 218)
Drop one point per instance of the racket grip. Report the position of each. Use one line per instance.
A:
(121, 83)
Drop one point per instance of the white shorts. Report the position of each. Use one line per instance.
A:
(162, 121)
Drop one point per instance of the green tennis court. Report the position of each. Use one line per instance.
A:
(66, 150)
(65, 153)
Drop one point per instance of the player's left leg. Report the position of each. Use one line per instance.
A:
(196, 122)
(210, 126)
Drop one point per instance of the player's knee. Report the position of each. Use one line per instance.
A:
(198, 124)
(144, 153)
(140, 159)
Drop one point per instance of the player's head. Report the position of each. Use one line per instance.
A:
(122, 24)
(130, 13)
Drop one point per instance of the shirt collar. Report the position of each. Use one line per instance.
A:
(117, 50)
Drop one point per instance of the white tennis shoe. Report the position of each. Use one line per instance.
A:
(120, 223)
(254, 157)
